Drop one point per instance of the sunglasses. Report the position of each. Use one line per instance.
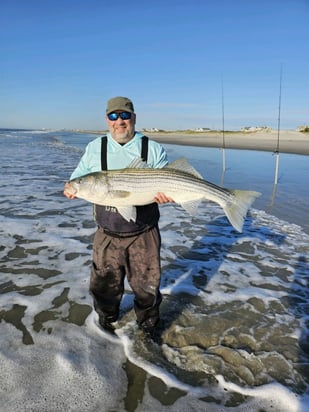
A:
(123, 115)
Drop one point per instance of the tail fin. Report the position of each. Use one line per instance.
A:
(237, 211)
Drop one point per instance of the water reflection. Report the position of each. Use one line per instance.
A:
(254, 170)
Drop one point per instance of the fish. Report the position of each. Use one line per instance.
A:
(138, 184)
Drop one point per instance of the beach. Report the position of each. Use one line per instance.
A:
(234, 311)
(290, 141)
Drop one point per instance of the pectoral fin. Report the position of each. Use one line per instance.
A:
(119, 194)
(127, 212)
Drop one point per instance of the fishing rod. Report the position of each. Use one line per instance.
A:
(223, 128)
(278, 135)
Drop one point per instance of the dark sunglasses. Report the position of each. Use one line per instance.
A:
(123, 115)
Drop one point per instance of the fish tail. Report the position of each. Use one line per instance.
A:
(236, 210)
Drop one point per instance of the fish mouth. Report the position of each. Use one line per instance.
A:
(72, 189)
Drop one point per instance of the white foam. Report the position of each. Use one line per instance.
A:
(46, 246)
(69, 369)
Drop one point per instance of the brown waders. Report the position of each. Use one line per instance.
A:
(138, 258)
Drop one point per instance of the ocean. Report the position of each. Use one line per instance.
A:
(235, 305)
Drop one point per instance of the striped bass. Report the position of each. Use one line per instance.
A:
(138, 184)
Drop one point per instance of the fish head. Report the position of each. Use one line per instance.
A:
(88, 185)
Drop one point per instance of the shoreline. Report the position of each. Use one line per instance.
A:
(292, 142)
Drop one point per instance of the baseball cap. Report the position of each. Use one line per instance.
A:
(119, 103)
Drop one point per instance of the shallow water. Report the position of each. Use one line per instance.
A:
(235, 307)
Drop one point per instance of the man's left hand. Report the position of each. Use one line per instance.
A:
(162, 198)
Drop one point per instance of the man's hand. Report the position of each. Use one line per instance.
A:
(67, 193)
(161, 198)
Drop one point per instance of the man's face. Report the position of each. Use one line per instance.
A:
(122, 130)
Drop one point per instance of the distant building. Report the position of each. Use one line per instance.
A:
(151, 130)
(253, 129)
(202, 129)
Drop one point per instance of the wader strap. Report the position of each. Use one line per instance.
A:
(144, 153)
(104, 153)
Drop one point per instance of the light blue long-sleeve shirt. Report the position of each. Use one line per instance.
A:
(119, 156)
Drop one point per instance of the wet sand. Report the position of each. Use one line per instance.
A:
(289, 141)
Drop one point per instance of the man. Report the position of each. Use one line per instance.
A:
(124, 248)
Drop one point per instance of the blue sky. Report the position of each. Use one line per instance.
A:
(62, 59)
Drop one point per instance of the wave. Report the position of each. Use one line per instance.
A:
(234, 311)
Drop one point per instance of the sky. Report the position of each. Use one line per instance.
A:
(185, 64)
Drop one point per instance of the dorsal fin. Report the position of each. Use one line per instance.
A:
(179, 164)
(137, 163)
(183, 165)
